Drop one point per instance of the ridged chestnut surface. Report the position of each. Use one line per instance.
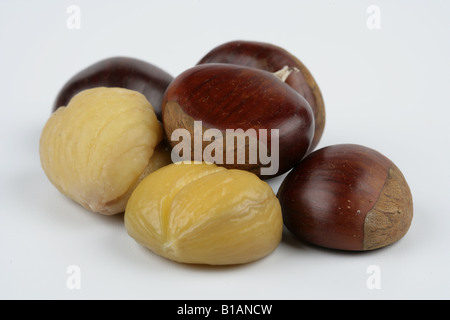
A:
(121, 72)
(100, 146)
(347, 197)
(272, 58)
(204, 214)
(226, 96)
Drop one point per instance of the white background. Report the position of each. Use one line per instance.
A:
(387, 89)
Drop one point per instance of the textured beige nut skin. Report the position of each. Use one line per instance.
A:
(205, 214)
(97, 149)
(390, 218)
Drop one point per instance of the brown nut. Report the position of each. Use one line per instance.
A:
(97, 149)
(205, 214)
(347, 197)
(271, 58)
(121, 72)
(259, 123)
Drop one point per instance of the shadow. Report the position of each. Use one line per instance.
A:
(37, 200)
(289, 239)
(220, 268)
(147, 258)
(115, 220)
(275, 182)
(295, 243)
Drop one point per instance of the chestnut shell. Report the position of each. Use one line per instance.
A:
(346, 197)
(226, 96)
(122, 72)
(272, 58)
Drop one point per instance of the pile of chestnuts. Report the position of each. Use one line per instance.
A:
(186, 158)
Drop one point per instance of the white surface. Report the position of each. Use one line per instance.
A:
(386, 89)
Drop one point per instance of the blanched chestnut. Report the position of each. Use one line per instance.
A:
(99, 147)
(272, 58)
(205, 214)
(122, 72)
(238, 117)
(347, 197)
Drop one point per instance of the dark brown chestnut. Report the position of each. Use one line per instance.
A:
(272, 58)
(238, 104)
(122, 72)
(346, 197)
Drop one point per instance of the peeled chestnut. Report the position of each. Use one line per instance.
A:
(272, 58)
(204, 214)
(99, 147)
(237, 117)
(122, 72)
(347, 197)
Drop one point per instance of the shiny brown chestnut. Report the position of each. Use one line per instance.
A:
(122, 72)
(272, 58)
(347, 197)
(229, 99)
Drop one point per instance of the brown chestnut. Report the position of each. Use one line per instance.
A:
(272, 58)
(346, 197)
(264, 124)
(122, 72)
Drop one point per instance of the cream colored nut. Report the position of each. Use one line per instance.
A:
(98, 148)
(204, 214)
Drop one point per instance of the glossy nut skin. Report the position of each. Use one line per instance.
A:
(272, 58)
(225, 96)
(347, 197)
(121, 72)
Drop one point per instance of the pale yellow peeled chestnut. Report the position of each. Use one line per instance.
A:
(100, 146)
(204, 214)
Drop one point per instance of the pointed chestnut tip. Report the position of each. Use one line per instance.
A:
(237, 104)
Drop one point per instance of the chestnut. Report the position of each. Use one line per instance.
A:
(347, 197)
(122, 72)
(98, 148)
(271, 123)
(272, 58)
(204, 214)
